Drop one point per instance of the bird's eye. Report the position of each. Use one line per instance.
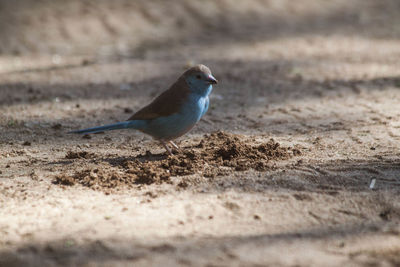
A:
(198, 77)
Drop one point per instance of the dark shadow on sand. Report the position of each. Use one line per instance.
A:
(68, 252)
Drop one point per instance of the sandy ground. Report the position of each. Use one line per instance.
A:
(321, 78)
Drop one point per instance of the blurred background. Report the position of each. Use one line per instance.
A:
(124, 27)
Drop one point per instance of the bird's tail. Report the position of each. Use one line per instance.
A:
(109, 127)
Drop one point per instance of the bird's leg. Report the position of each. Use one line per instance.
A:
(166, 147)
(174, 145)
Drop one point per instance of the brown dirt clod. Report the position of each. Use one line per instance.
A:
(79, 155)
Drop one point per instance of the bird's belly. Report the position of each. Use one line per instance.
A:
(173, 126)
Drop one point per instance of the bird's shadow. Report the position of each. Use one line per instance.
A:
(115, 161)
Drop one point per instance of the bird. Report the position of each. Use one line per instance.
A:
(172, 113)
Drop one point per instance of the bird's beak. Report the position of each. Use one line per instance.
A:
(211, 79)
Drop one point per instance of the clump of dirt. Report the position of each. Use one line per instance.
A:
(217, 154)
(64, 179)
(79, 155)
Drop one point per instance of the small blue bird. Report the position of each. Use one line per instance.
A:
(174, 112)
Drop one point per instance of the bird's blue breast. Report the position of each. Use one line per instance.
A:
(177, 124)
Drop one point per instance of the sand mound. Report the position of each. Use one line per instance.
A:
(217, 154)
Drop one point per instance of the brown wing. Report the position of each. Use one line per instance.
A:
(169, 102)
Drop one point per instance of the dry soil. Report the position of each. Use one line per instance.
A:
(296, 163)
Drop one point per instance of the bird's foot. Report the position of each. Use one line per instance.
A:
(178, 149)
(167, 148)
(174, 145)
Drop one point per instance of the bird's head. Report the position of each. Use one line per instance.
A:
(200, 79)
